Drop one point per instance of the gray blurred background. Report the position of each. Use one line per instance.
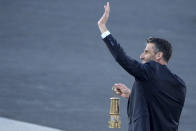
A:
(56, 71)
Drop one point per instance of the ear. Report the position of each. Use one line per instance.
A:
(159, 55)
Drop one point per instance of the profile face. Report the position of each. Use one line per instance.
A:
(148, 53)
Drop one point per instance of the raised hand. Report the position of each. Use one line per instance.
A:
(103, 20)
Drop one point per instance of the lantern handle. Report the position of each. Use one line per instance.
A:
(114, 93)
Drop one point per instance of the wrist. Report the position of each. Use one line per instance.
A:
(102, 28)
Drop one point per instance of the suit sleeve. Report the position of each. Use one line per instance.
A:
(138, 70)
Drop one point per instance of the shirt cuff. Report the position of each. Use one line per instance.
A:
(104, 34)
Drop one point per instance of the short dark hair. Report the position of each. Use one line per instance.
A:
(161, 45)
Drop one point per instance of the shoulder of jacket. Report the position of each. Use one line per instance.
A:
(180, 80)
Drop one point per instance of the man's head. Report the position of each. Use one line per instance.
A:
(158, 50)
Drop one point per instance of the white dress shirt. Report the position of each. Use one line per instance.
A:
(104, 34)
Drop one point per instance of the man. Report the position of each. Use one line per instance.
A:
(157, 97)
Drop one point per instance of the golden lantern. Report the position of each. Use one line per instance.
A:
(114, 121)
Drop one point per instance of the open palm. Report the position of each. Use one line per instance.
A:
(103, 20)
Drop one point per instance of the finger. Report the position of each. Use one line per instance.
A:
(123, 85)
(116, 86)
(119, 93)
(119, 85)
(108, 4)
(107, 7)
(106, 10)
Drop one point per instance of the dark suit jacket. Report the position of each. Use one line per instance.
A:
(157, 96)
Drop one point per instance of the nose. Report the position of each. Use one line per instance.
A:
(142, 56)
